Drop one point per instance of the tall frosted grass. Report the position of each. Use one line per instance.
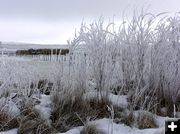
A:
(142, 58)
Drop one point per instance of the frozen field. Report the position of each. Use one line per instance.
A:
(110, 82)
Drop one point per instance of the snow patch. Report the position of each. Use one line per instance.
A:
(118, 100)
(13, 131)
(7, 105)
(44, 108)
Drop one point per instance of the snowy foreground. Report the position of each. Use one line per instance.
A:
(105, 125)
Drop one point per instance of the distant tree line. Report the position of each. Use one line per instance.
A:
(43, 52)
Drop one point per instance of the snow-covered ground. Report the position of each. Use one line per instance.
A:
(108, 127)
(105, 125)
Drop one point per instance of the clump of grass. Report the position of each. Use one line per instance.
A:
(128, 119)
(146, 120)
(35, 126)
(100, 105)
(91, 129)
(123, 117)
(65, 108)
(165, 107)
(30, 122)
(7, 122)
(72, 110)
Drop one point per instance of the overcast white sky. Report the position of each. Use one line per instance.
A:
(54, 21)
